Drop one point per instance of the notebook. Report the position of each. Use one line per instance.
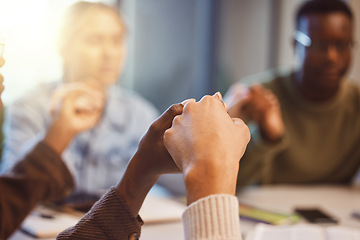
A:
(265, 216)
(156, 209)
(45, 222)
(303, 232)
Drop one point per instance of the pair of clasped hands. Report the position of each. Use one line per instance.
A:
(198, 139)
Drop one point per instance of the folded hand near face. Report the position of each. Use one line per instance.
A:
(259, 105)
(75, 107)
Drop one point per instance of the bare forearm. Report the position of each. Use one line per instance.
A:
(59, 135)
(135, 184)
(217, 181)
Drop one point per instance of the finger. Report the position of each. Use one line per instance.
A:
(218, 96)
(238, 121)
(83, 104)
(244, 100)
(256, 86)
(236, 89)
(241, 123)
(187, 101)
(256, 89)
(226, 107)
(165, 120)
(86, 101)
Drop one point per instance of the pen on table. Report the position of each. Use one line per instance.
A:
(43, 215)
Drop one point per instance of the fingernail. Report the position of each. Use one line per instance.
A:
(218, 95)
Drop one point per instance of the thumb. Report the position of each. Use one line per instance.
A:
(239, 122)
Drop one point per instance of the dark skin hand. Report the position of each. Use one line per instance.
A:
(149, 162)
(259, 105)
(264, 108)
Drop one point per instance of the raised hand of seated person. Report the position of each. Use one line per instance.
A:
(207, 145)
(236, 98)
(76, 107)
(264, 108)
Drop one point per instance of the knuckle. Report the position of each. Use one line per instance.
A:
(207, 98)
(188, 107)
(167, 135)
(175, 109)
(177, 120)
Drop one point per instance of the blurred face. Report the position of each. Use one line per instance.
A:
(97, 51)
(324, 63)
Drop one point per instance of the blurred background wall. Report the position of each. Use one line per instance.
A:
(176, 49)
(190, 48)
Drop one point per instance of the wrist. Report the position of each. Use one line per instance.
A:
(59, 135)
(272, 127)
(272, 134)
(271, 137)
(204, 181)
(135, 184)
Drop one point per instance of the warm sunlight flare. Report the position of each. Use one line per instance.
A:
(29, 30)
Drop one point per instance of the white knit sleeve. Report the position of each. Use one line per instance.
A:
(215, 217)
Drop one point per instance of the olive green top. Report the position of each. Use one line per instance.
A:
(321, 144)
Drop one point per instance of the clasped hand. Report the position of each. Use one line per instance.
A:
(259, 105)
(198, 139)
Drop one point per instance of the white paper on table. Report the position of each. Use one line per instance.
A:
(44, 227)
(343, 233)
(303, 232)
(161, 209)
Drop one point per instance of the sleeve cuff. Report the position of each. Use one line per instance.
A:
(213, 217)
(44, 164)
(113, 215)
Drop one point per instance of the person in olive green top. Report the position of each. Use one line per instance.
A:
(305, 124)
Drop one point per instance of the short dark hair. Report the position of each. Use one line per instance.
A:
(323, 7)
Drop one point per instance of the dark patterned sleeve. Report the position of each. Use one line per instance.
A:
(109, 218)
(40, 176)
